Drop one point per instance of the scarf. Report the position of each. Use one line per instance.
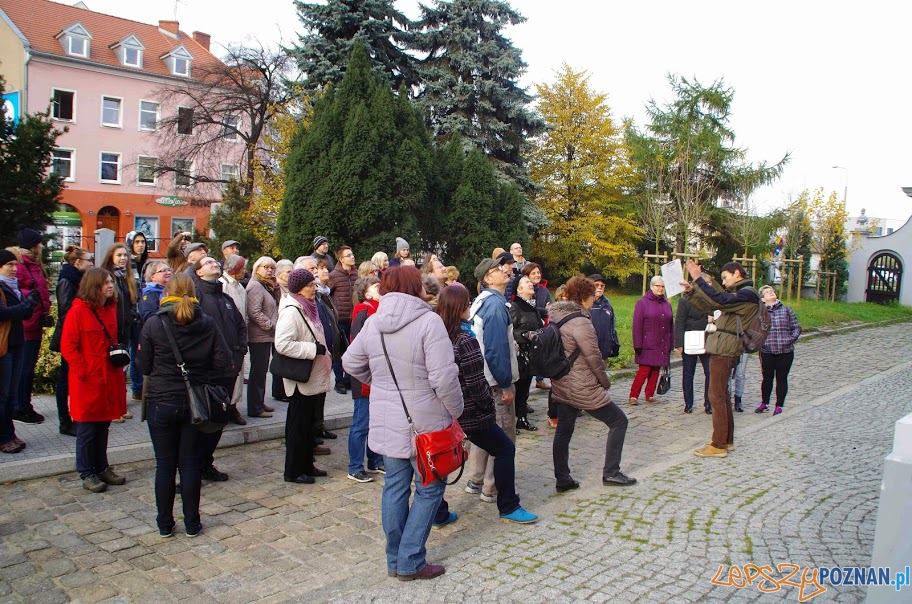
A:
(175, 300)
(466, 327)
(311, 312)
(323, 289)
(13, 284)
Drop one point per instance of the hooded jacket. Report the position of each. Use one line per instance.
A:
(203, 352)
(31, 278)
(653, 330)
(586, 386)
(15, 310)
(492, 325)
(294, 339)
(98, 389)
(67, 287)
(149, 300)
(137, 263)
(739, 302)
(421, 354)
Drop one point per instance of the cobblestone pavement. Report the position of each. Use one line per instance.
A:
(800, 488)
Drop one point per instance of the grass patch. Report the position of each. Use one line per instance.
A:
(755, 496)
(691, 521)
(748, 546)
(671, 527)
(709, 521)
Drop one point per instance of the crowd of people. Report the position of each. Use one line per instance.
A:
(415, 349)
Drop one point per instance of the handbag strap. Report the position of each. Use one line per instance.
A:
(396, 382)
(166, 323)
(306, 323)
(103, 327)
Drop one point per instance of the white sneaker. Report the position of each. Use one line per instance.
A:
(488, 498)
(472, 488)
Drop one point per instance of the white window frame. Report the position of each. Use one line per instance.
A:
(152, 246)
(71, 37)
(63, 119)
(101, 163)
(139, 56)
(189, 175)
(139, 124)
(120, 111)
(230, 133)
(140, 183)
(237, 174)
(72, 151)
(174, 70)
(177, 129)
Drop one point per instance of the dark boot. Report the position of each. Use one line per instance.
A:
(738, 406)
(235, 416)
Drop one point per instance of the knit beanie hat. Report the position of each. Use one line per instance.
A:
(319, 240)
(7, 256)
(28, 238)
(401, 244)
(298, 279)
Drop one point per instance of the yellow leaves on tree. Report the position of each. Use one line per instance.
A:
(582, 166)
(829, 216)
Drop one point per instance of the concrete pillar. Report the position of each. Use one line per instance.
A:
(893, 535)
(104, 239)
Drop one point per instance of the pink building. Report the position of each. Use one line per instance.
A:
(102, 77)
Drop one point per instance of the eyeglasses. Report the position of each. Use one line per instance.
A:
(163, 270)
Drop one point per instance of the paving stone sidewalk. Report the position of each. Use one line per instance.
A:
(800, 488)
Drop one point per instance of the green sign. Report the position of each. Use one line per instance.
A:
(71, 219)
(171, 201)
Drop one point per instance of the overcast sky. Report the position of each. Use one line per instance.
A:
(821, 80)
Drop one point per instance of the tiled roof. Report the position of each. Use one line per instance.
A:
(40, 21)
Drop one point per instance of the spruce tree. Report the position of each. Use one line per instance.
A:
(333, 28)
(470, 80)
(359, 172)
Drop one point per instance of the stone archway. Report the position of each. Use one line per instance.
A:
(884, 278)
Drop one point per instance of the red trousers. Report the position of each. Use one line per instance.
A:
(648, 374)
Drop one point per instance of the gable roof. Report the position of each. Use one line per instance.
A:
(42, 21)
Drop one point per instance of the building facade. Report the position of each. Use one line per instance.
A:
(105, 80)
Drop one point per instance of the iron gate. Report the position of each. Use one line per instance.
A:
(884, 278)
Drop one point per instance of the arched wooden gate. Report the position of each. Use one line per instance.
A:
(884, 278)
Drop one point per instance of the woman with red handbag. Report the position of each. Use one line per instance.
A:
(405, 354)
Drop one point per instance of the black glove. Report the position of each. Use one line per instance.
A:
(34, 297)
(321, 349)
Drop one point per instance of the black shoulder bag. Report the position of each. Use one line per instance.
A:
(118, 354)
(291, 368)
(208, 402)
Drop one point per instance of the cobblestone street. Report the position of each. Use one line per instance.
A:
(800, 488)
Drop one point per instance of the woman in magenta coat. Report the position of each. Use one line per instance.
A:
(97, 388)
(653, 339)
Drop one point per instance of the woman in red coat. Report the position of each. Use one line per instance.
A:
(98, 392)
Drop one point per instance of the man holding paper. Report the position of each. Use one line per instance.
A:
(690, 342)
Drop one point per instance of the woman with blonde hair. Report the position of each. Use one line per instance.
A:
(366, 269)
(263, 293)
(174, 439)
(381, 262)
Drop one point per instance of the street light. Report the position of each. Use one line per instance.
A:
(845, 191)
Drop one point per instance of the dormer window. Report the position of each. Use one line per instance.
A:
(129, 51)
(178, 61)
(75, 40)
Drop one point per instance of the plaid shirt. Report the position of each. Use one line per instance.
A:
(784, 330)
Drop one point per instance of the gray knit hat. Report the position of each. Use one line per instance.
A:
(401, 244)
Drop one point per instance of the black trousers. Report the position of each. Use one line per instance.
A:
(345, 334)
(522, 395)
(176, 444)
(256, 381)
(687, 378)
(299, 433)
(208, 443)
(63, 395)
(611, 415)
(778, 366)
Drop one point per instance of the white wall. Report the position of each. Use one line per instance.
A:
(864, 249)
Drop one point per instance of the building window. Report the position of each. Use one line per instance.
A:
(180, 66)
(132, 57)
(110, 167)
(184, 120)
(62, 104)
(148, 226)
(145, 170)
(182, 225)
(183, 173)
(62, 164)
(230, 128)
(77, 46)
(110, 111)
(229, 173)
(148, 116)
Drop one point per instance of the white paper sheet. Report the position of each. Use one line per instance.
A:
(673, 274)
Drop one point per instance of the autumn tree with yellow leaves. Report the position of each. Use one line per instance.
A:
(582, 166)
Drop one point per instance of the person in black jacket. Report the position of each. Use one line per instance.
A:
(13, 309)
(527, 319)
(78, 261)
(688, 318)
(231, 329)
(602, 315)
(174, 439)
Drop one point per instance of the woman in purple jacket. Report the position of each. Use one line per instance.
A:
(653, 338)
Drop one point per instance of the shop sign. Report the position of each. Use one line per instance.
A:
(171, 201)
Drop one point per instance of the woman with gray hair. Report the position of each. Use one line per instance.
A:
(653, 338)
(778, 350)
(283, 268)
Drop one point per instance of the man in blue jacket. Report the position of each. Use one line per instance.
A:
(602, 315)
(492, 326)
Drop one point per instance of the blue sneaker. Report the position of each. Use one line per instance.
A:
(520, 516)
(453, 517)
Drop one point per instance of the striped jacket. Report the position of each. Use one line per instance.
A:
(478, 413)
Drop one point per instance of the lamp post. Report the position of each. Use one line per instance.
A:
(845, 190)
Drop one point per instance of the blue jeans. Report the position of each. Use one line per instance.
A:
(29, 351)
(176, 443)
(7, 370)
(136, 376)
(689, 362)
(357, 439)
(737, 389)
(406, 528)
(91, 448)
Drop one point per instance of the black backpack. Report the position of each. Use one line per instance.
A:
(547, 357)
(754, 336)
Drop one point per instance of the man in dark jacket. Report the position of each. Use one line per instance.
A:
(602, 315)
(739, 304)
(232, 330)
(687, 319)
(341, 285)
(321, 252)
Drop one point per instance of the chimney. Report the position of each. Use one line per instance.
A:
(202, 39)
(169, 26)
